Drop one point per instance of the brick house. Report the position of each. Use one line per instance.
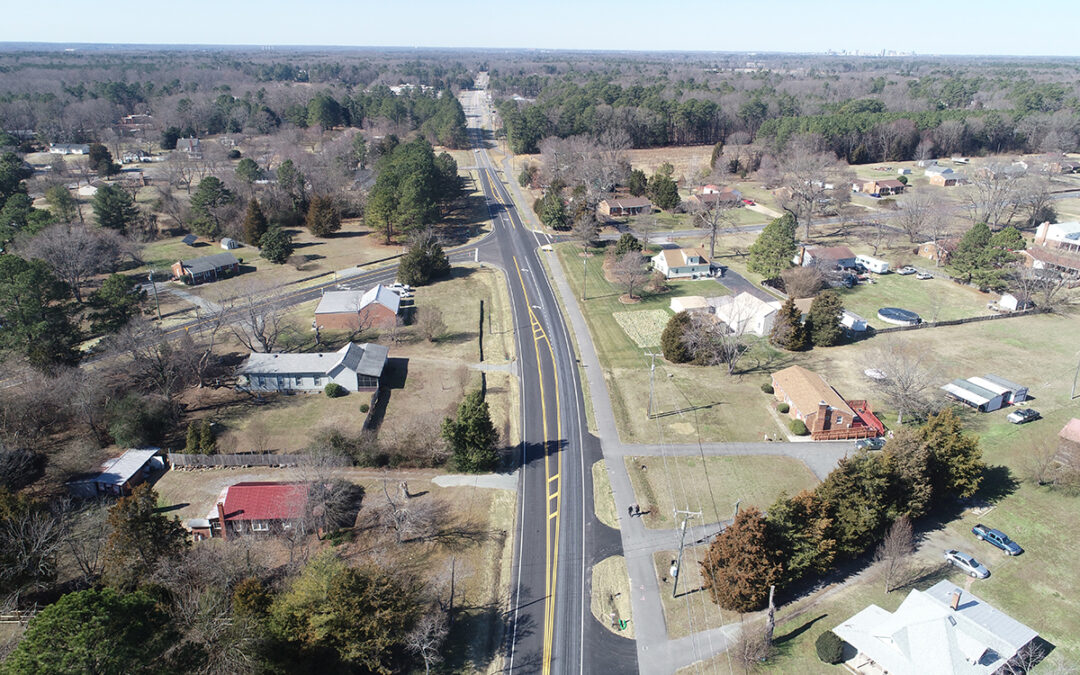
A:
(377, 307)
(825, 256)
(938, 251)
(624, 206)
(825, 413)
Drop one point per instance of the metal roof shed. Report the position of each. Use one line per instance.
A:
(973, 395)
(1018, 393)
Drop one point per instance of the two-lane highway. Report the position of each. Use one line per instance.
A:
(551, 627)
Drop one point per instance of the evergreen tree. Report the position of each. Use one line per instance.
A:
(139, 537)
(207, 204)
(772, 251)
(255, 224)
(63, 206)
(956, 460)
(119, 300)
(35, 314)
(638, 182)
(247, 171)
(207, 442)
(101, 160)
(662, 190)
(857, 494)
(424, 261)
(276, 245)
(969, 256)
(552, 211)
(908, 459)
(823, 319)
(95, 631)
(114, 208)
(18, 216)
(741, 563)
(191, 440)
(169, 137)
(802, 527)
(472, 436)
(323, 218)
(788, 331)
(671, 340)
(626, 243)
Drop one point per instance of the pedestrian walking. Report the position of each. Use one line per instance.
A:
(637, 510)
(630, 511)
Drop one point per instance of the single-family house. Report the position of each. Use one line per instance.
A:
(690, 303)
(190, 146)
(1059, 235)
(119, 475)
(1048, 258)
(745, 313)
(885, 187)
(356, 367)
(821, 408)
(708, 200)
(376, 307)
(69, 148)
(614, 207)
(942, 176)
(675, 263)
(828, 257)
(206, 269)
(255, 507)
(1068, 452)
(943, 630)
(939, 251)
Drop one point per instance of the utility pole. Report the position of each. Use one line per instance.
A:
(770, 622)
(736, 514)
(1072, 394)
(677, 567)
(584, 270)
(157, 305)
(652, 373)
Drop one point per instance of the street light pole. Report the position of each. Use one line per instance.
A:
(584, 271)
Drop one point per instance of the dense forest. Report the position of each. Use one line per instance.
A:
(863, 109)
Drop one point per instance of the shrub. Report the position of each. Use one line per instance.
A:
(364, 407)
(334, 390)
(767, 388)
(830, 648)
(671, 340)
(783, 407)
(626, 243)
(798, 428)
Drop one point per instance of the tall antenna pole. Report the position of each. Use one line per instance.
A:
(652, 376)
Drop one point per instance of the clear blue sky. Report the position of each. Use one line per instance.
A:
(1034, 27)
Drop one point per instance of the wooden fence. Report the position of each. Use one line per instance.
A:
(957, 322)
(184, 461)
(19, 616)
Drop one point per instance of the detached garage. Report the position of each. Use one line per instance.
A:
(1012, 392)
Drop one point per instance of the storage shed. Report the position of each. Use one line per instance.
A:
(690, 303)
(969, 393)
(119, 475)
(1014, 393)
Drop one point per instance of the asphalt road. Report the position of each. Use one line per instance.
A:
(551, 628)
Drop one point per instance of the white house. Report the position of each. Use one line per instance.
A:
(942, 630)
(69, 148)
(745, 313)
(674, 263)
(1059, 235)
(355, 367)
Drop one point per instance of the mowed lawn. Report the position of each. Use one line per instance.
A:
(712, 486)
(936, 299)
(695, 401)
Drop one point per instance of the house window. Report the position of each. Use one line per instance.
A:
(260, 526)
(839, 419)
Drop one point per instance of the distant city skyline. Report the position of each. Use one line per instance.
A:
(960, 27)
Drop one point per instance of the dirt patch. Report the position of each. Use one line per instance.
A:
(611, 596)
(628, 299)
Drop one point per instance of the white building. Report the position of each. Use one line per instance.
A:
(941, 631)
(1059, 235)
(354, 367)
(745, 313)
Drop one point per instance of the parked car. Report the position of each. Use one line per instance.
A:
(924, 276)
(1023, 415)
(966, 563)
(906, 270)
(997, 538)
(748, 202)
(870, 443)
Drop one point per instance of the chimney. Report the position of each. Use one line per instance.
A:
(221, 519)
(821, 421)
(1041, 232)
(954, 600)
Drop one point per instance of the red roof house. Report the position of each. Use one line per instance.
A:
(255, 507)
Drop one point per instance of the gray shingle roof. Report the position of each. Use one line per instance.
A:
(209, 263)
(333, 302)
(365, 359)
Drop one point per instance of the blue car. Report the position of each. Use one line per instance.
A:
(997, 538)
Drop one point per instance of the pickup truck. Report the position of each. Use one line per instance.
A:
(997, 538)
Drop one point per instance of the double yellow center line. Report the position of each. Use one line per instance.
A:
(552, 475)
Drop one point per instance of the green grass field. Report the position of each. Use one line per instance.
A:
(712, 486)
(936, 299)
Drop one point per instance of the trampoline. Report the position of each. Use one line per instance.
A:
(900, 317)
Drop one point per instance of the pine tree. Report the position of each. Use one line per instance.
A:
(191, 442)
(671, 340)
(114, 208)
(772, 251)
(472, 437)
(276, 245)
(741, 563)
(255, 224)
(823, 319)
(323, 217)
(956, 465)
(788, 331)
(207, 442)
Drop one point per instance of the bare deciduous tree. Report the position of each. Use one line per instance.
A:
(810, 181)
(1044, 287)
(712, 217)
(630, 273)
(76, 252)
(429, 323)
(907, 377)
(894, 551)
(427, 637)
(258, 319)
(917, 210)
(802, 282)
(87, 531)
(993, 197)
(749, 649)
